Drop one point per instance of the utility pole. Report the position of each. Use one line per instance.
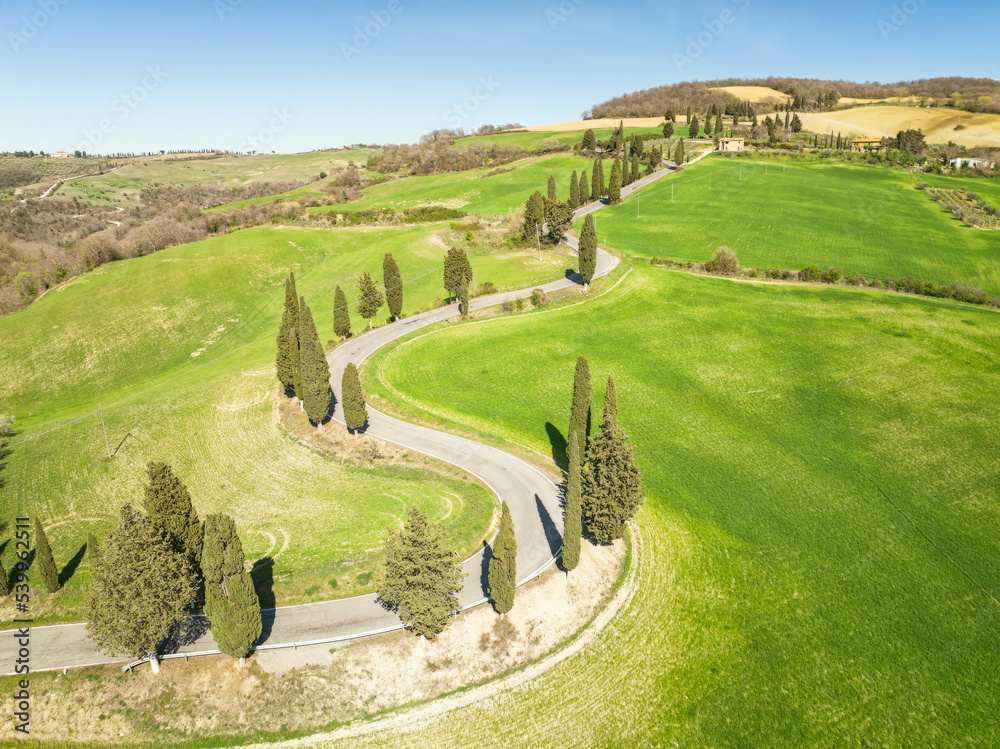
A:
(107, 444)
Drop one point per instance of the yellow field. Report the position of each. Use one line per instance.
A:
(755, 94)
(938, 124)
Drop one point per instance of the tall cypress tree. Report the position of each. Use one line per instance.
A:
(93, 551)
(572, 517)
(231, 603)
(370, 299)
(579, 415)
(316, 395)
(353, 399)
(457, 271)
(171, 512)
(552, 187)
(693, 126)
(574, 191)
(287, 340)
(463, 300)
(615, 186)
(612, 483)
(588, 251)
(393, 286)
(718, 123)
(584, 187)
(589, 140)
(502, 574)
(597, 180)
(341, 314)
(679, 152)
(44, 560)
(534, 216)
(635, 169)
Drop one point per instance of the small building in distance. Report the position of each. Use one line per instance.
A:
(60, 155)
(730, 144)
(971, 163)
(863, 145)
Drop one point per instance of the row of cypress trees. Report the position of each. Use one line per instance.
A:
(301, 362)
(154, 567)
(604, 486)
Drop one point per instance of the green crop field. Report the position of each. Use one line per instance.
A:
(856, 218)
(127, 182)
(821, 564)
(491, 190)
(532, 140)
(178, 347)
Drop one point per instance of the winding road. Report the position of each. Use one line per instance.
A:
(533, 498)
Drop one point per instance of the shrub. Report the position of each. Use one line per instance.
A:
(810, 273)
(539, 298)
(519, 303)
(485, 289)
(877, 284)
(994, 302)
(507, 307)
(832, 275)
(723, 263)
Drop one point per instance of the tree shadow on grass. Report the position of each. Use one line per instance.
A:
(263, 582)
(558, 442)
(70, 568)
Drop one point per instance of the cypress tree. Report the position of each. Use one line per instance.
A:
(572, 517)
(457, 270)
(231, 603)
(534, 216)
(370, 299)
(552, 187)
(463, 300)
(315, 369)
(393, 286)
(421, 579)
(688, 120)
(615, 187)
(589, 140)
(579, 416)
(588, 251)
(47, 571)
(286, 359)
(584, 187)
(296, 356)
(171, 512)
(560, 218)
(612, 483)
(679, 152)
(574, 191)
(355, 411)
(93, 550)
(693, 126)
(597, 180)
(668, 129)
(341, 314)
(141, 590)
(718, 123)
(502, 574)
(635, 169)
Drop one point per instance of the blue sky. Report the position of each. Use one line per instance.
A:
(294, 76)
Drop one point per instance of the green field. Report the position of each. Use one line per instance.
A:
(822, 565)
(532, 140)
(127, 182)
(179, 349)
(856, 218)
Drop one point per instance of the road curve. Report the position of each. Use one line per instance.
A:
(533, 498)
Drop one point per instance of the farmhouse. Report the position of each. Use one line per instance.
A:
(730, 144)
(861, 145)
(971, 163)
(60, 155)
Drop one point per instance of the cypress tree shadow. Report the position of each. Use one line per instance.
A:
(263, 582)
(552, 534)
(70, 569)
(333, 407)
(186, 633)
(484, 575)
(6, 434)
(558, 443)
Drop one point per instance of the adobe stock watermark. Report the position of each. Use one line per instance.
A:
(256, 143)
(458, 113)
(123, 106)
(364, 35)
(901, 13)
(31, 25)
(224, 7)
(562, 13)
(716, 27)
